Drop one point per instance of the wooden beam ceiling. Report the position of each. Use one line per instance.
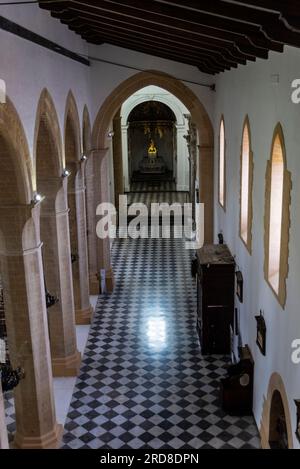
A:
(214, 35)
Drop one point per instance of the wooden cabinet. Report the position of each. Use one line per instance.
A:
(215, 298)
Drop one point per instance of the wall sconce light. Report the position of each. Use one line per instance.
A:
(37, 198)
(221, 238)
(297, 402)
(66, 173)
(83, 158)
(111, 133)
(74, 257)
(51, 300)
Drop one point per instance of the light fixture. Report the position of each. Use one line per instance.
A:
(37, 198)
(111, 133)
(83, 158)
(66, 173)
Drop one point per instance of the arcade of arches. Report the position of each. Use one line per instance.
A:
(99, 338)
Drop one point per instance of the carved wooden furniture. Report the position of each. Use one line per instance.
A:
(215, 298)
(237, 386)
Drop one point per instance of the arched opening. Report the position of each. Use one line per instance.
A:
(278, 434)
(111, 106)
(276, 198)
(276, 427)
(55, 237)
(152, 142)
(277, 217)
(23, 289)
(246, 183)
(89, 202)
(222, 167)
(77, 213)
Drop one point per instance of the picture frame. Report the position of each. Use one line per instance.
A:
(261, 332)
(239, 285)
(236, 321)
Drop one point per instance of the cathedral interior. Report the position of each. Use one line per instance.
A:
(123, 328)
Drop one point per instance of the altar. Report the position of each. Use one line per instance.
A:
(152, 163)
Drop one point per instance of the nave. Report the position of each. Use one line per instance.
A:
(143, 382)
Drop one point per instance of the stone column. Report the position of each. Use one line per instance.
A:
(182, 159)
(58, 277)
(124, 138)
(117, 160)
(27, 327)
(3, 429)
(79, 252)
(102, 195)
(206, 177)
(91, 225)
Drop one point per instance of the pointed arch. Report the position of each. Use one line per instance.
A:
(277, 217)
(275, 387)
(47, 138)
(72, 130)
(246, 186)
(16, 170)
(222, 165)
(199, 116)
(86, 131)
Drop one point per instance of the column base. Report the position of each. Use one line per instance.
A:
(109, 280)
(83, 316)
(94, 285)
(50, 440)
(67, 366)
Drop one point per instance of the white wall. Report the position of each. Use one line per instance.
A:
(28, 68)
(106, 77)
(251, 90)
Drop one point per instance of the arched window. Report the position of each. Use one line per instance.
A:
(246, 183)
(222, 179)
(277, 217)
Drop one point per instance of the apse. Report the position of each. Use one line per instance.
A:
(152, 141)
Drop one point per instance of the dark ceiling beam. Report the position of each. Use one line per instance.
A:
(135, 16)
(203, 66)
(289, 10)
(149, 7)
(179, 54)
(244, 47)
(215, 57)
(220, 55)
(215, 14)
(189, 41)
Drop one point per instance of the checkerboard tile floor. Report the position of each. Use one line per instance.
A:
(143, 381)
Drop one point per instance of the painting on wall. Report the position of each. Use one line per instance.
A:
(261, 333)
(239, 285)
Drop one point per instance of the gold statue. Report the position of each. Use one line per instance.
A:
(152, 150)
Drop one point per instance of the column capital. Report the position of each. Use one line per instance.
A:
(99, 152)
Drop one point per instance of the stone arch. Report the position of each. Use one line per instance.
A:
(47, 134)
(162, 99)
(276, 386)
(24, 299)
(72, 130)
(179, 110)
(15, 163)
(199, 116)
(77, 211)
